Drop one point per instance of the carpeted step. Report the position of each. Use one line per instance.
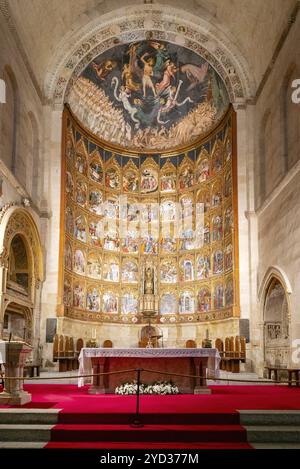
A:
(151, 419)
(151, 433)
(146, 445)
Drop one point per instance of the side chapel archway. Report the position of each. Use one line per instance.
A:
(276, 318)
(21, 274)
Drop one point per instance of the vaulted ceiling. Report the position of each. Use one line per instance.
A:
(255, 26)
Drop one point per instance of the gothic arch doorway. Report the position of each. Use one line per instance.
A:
(276, 324)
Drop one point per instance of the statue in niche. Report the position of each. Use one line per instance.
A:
(149, 281)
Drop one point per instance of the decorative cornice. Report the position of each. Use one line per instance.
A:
(135, 23)
(6, 12)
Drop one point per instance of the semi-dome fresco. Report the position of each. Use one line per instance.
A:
(149, 95)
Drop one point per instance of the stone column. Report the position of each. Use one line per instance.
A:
(15, 355)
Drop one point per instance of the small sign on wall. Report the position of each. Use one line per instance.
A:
(50, 330)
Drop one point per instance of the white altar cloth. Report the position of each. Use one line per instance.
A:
(85, 364)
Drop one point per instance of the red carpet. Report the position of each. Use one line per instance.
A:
(183, 421)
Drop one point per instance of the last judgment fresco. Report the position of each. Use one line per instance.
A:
(149, 95)
(165, 224)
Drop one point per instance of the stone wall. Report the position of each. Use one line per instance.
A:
(277, 190)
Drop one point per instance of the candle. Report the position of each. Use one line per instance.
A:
(94, 334)
(207, 336)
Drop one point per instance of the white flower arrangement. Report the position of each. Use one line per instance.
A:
(159, 387)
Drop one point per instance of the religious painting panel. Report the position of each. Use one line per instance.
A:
(96, 232)
(168, 303)
(80, 227)
(112, 177)
(228, 221)
(203, 197)
(67, 293)
(149, 177)
(69, 220)
(187, 269)
(93, 299)
(111, 207)
(81, 192)
(186, 175)
(217, 228)
(131, 242)
(69, 184)
(216, 199)
(228, 257)
(79, 261)
(229, 292)
(130, 178)
(79, 294)
(204, 300)
(202, 172)
(203, 266)
(111, 240)
(218, 298)
(168, 178)
(68, 256)
(186, 302)
(96, 168)
(168, 271)
(218, 262)
(110, 302)
(111, 269)
(217, 157)
(94, 265)
(168, 210)
(81, 158)
(96, 201)
(129, 303)
(130, 271)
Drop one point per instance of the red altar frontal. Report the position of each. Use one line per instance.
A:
(200, 362)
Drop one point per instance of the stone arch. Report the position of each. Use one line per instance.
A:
(135, 23)
(17, 222)
(275, 312)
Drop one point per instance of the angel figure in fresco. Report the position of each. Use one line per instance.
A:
(172, 102)
(148, 73)
(169, 74)
(128, 78)
(104, 69)
(123, 97)
(195, 74)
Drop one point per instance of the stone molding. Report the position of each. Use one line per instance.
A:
(135, 23)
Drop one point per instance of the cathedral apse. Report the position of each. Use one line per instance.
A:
(149, 96)
(140, 225)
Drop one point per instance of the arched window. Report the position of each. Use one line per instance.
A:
(291, 119)
(8, 120)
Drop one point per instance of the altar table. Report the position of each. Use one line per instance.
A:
(202, 362)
